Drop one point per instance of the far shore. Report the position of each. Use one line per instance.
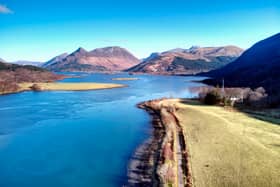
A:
(124, 79)
(56, 86)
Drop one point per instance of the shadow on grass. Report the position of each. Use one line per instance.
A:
(267, 115)
(271, 115)
(263, 116)
(195, 102)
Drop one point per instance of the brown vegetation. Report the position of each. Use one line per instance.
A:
(11, 75)
(35, 87)
(256, 98)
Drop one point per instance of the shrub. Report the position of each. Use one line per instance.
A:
(212, 98)
(256, 98)
(35, 87)
(7, 86)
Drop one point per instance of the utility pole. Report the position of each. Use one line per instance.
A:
(223, 87)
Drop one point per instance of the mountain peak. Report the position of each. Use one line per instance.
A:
(112, 51)
(194, 47)
(80, 50)
(102, 59)
(176, 50)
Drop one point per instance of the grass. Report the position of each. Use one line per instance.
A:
(70, 86)
(270, 115)
(124, 79)
(229, 148)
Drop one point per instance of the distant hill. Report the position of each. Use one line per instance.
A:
(101, 59)
(257, 66)
(25, 62)
(187, 61)
(13, 67)
(54, 60)
(12, 74)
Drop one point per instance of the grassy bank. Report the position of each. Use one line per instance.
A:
(65, 86)
(227, 147)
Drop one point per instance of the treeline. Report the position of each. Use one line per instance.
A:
(12, 74)
(13, 67)
(271, 84)
(255, 98)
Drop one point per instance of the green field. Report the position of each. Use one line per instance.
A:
(229, 148)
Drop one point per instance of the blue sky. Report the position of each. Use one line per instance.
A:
(39, 30)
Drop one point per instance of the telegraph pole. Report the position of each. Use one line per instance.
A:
(223, 87)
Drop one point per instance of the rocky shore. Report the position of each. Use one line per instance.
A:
(163, 159)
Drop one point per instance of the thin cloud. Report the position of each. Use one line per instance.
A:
(5, 10)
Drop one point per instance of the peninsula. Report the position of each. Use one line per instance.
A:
(17, 78)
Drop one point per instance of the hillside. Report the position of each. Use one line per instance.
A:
(187, 61)
(55, 60)
(257, 66)
(13, 74)
(14, 67)
(101, 59)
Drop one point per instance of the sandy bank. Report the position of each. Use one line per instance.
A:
(71, 86)
(64, 87)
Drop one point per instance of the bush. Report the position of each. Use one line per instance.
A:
(256, 98)
(212, 98)
(35, 87)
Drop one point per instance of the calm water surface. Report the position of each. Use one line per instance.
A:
(70, 139)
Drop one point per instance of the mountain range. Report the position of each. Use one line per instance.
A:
(188, 61)
(175, 61)
(257, 66)
(101, 59)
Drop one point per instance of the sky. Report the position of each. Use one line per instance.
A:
(38, 30)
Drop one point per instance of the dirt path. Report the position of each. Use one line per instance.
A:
(180, 175)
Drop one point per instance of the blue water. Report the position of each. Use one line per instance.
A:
(78, 138)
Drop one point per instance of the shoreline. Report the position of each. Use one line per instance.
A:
(163, 158)
(125, 79)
